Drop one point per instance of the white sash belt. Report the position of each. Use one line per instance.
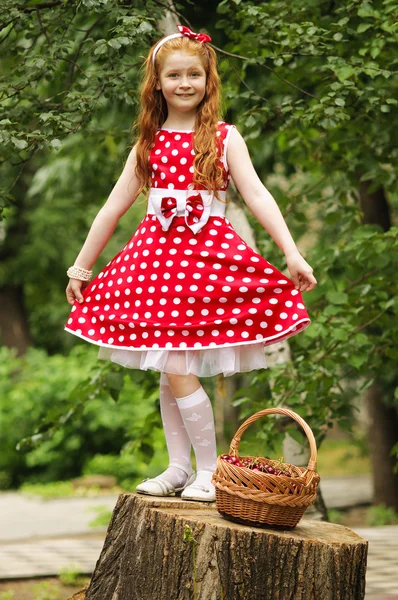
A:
(196, 206)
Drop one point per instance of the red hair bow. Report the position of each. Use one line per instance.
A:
(199, 37)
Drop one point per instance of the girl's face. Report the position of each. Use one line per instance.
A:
(182, 79)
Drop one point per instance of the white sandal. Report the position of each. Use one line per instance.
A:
(158, 486)
(201, 489)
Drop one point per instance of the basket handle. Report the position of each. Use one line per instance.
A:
(234, 447)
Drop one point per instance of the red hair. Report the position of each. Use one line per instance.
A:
(209, 173)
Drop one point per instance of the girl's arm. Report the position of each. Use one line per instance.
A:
(263, 206)
(119, 201)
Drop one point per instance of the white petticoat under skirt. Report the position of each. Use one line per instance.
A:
(227, 360)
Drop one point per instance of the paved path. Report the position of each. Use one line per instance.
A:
(41, 537)
(382, 571)
(48, 557)
(27, 517)
(342, 492)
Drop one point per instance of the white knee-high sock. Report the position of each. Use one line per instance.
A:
(177, 439)
(197, 413)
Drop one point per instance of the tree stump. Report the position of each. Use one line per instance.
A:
(170, 549)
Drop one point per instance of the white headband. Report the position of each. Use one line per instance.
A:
(184, 32)
(163, 41)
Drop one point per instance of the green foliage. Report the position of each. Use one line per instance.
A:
(67, 106)
(58, 426)
(46, 591)
(103, 517)
(9, 595)
(314, 96)
(70, 575)
(64, 489)
(381, 515)
(335, 516)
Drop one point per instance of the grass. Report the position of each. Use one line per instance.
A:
(65, 489)
(41, 589)
(103, 517)
(342, 457)
(336, 457)
(364, 516)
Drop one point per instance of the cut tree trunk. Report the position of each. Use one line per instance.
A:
(168, 549)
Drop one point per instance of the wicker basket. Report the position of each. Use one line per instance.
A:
(261, 499)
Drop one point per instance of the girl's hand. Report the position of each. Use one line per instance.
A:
(301, 272)
(75, 289)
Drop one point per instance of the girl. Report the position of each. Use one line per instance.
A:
(186, 296)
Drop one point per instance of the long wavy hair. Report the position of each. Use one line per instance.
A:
(208, 172)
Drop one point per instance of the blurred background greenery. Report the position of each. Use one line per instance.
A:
(314, 95)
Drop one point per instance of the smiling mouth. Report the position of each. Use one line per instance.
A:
(185, 95)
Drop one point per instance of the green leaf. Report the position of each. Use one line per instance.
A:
(338, 37)
(145, 27)
(114, 44)
(45, 116)
(337, 297)
(339, 102)
(344, 73)
(115, 382)
(357, 360)
(340, 334)
(364, 27)
(18, 143)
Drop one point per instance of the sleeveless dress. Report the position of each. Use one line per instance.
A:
(186, 294)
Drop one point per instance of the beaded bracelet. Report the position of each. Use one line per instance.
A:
(79, 273)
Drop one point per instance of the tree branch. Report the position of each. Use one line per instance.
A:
(173, 10)
(365, 276)
(29, 9)
(268, 69)
(74, 61)
(42, 26)
(11, 28)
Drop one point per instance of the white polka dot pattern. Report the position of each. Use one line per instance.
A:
(172, 159)
(176, 290)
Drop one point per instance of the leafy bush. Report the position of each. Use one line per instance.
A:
(381, 514)
(38, 391)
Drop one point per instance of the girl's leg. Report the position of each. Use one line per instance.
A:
(197, 413)
(177, 439)
(178, 446)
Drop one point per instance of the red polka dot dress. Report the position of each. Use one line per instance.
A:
(186, 294)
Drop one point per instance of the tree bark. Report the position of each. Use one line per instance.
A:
(383, 428)
(168, 549)
(14, 330)
(382, 437)
(374, 206)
